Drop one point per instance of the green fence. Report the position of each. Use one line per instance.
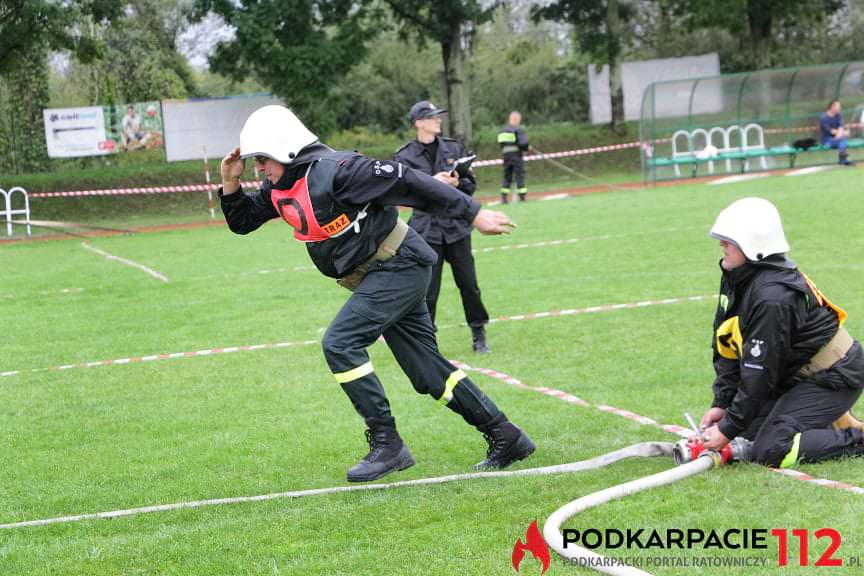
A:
(744, 122)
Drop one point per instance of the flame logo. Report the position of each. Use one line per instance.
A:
(535, 544)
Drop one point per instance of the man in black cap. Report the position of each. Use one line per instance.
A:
(429, 152)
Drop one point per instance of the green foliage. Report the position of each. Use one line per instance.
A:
(24, 92)
(137, 59)
(426, 20)
(300, 49)
(378, 92)
(753, 34)
(27, 24)
(589, 20)
(526, 71)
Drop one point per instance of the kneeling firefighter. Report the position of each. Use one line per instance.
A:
(787, 372)
(342, 205)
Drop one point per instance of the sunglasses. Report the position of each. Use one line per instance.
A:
(260, 159)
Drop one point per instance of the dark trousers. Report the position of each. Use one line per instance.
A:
(513, 165)
(461, 260)
(809, 408)
(390, 301)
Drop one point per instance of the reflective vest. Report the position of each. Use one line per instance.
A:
(308, 205)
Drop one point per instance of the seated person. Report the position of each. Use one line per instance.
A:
(832, 132)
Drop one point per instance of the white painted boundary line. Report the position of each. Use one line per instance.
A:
(213, 351)
(810, 170)
(42, 293)
(544, 243)
(126, 261)
(671, 428)
(739, 178)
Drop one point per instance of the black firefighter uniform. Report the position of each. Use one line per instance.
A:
(342, 205)
(786, 369)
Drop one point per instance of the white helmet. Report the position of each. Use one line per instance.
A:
(274, 131)
(754, 225)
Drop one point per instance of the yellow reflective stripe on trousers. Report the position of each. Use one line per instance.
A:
(454, 379)
(792, 457)
(354, 373)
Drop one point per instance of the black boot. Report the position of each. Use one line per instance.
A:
(523, 196)
(387, 453)
(505, 198)
(507, 444)
(479, 336)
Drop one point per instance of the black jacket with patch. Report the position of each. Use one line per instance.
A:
(358, 182)
(438, 228)
(770, 322)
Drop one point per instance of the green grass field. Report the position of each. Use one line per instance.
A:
(104, 438)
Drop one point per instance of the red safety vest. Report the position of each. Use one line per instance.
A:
(309, 208)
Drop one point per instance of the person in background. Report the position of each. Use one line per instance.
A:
(513, 144)
(833, 133)
(450, 237)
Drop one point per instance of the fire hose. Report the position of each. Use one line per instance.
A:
(691, 458)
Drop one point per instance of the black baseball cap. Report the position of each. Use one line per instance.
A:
(424, 109)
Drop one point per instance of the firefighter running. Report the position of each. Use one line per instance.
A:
(787, 372)
(342, 205)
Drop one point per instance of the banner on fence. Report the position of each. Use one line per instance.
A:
(99, 130)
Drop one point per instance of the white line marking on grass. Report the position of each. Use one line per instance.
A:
(126, 261)
(671, 428)
(560, 196)
(14, 296)
(213, 351)
(544, 243)
(739, 178)
(809, 170)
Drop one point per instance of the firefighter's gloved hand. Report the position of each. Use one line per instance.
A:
(713, 439)
(491, 222)
(711, 417)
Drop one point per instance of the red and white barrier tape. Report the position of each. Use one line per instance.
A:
(257, 183)
(152, 357)
(478, 164)
(565, 154)
(144, 190)
(671, 428)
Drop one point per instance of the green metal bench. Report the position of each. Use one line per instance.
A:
(743, 155)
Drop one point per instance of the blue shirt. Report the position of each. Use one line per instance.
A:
(828, 123)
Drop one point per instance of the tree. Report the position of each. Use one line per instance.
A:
(300, 49)
(597, 26)
(27, 25)
(451, 24)
(29, 29)
(758, 22)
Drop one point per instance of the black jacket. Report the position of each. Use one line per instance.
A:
(512, 140)
(770, 322)
(358, 181)
(438, 228)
